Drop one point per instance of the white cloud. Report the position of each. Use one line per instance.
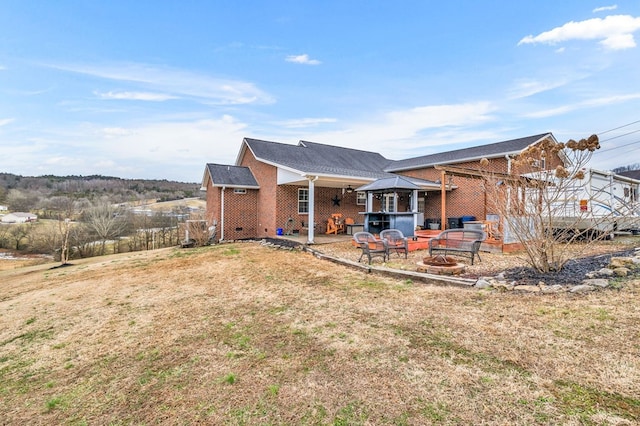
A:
(528, 87)
(154, 147)
(5, 121)
(114, 132)
(177, 82)
(135, 96)
(605, 8)
(399, 132)
(302, 59)
(614, 32)
(305, 122)
(590, 103)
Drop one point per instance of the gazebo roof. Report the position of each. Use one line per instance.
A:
(398, 182)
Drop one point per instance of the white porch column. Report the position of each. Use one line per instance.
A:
(414, 208)
(312, 206)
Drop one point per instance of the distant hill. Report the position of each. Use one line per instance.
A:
(90, 187)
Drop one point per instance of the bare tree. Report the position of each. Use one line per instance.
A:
(106, 221)
(537, 201)
(17, 233)
(4, 235)
(22, 200)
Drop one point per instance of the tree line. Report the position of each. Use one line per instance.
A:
(89, 216)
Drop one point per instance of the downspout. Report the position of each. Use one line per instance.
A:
(443, 201)
(312, 207)
(508, 186)
(222, 213)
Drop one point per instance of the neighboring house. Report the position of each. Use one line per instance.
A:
(274, 185)
(19, 217)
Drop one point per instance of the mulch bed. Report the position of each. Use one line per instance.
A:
(573, 271)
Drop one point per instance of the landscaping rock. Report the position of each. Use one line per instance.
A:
(582, 288)
(549, 289)
(527, 288)
(617, 262)
(597, 282)
(604, 272)
(621, 272)
(481, 283)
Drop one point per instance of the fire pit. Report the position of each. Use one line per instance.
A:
(441, 265)
(439, 260)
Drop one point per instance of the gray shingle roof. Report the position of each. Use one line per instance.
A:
(493, 150)
(231, 176)
(397, 182)
(315, 158)
(633, 174)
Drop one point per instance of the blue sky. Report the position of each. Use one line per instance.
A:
(156, 89)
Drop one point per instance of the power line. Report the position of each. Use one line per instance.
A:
(620, 127)
(619, 136)
(619, 146)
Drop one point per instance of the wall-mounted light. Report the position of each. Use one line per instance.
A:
(349, 189)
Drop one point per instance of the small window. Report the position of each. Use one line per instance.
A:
(361, 198)
(239, 191)
(303, 200)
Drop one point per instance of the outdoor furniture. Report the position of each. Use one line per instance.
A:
(395, 241)
(351, 226)
(371, 246)
(463, 242)
(335, 224)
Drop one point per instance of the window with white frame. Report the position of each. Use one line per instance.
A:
(239, 191)
(389, 203)
(361, 198)
(303, 200)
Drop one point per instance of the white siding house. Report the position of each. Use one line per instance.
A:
(19, 217)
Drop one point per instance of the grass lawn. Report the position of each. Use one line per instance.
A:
(241, 334)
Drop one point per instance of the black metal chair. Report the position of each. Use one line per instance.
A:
(371, 246)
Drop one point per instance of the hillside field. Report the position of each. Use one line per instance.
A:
(243, 334)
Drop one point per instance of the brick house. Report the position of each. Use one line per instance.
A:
(275, 186)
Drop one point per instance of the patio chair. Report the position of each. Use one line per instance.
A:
(371, 246)
(395, 241)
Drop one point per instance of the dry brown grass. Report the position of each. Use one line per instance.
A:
(244, 334)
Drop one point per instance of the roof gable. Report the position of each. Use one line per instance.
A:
(498, 149)
(229, 176)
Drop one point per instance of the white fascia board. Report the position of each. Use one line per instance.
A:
(205, 175)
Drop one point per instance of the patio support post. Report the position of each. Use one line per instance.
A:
(414, 208)
(443, 201)
(311, 217)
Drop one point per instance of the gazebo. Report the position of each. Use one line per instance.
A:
(392, 203)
